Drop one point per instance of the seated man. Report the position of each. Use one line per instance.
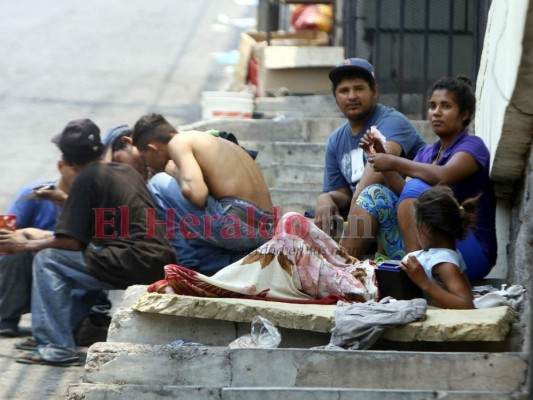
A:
(193, 253)
(222, 200)
(35, 218)
(102, 241)
(118, 148)
(346, 172)
(36, 208)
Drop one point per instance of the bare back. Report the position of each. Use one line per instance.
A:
(226, 169)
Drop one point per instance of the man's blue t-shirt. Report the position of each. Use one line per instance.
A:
(32, 213)
(345, 161)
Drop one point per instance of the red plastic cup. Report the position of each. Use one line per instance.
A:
(8, 221)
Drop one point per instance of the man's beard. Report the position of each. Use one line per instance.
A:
(361, 116)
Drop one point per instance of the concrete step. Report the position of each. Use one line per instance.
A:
(89, 391)
(298, 105)
(290, 153)
(283, 129)
(294, 176)
(297, 200)
(109, 363)
(306, 129)
(354, 394)
(155, 328)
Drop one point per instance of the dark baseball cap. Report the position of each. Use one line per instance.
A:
(80, 141)
(351, 64)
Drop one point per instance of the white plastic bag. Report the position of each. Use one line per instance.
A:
(264, 335)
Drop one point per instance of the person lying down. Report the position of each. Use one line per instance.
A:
(299, 264)
(303, 264)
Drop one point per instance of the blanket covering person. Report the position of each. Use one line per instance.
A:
(299, 264)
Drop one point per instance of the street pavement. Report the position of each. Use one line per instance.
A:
(111, 61)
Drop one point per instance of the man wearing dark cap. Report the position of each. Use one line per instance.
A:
(346, 173)
(102, 241)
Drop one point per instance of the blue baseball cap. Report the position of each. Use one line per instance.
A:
(110, 137)
(351, 64)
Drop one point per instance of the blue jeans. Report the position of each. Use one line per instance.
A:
(15, 288)
(207, 239)
(56, 274)
(15, 291)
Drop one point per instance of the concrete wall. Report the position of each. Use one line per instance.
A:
(503, 120)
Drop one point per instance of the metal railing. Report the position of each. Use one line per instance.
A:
(414, 42)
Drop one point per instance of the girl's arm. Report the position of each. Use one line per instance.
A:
(457, 295)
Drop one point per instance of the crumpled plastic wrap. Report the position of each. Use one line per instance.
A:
(264, 335)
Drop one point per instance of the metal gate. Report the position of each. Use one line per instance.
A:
(414, 42)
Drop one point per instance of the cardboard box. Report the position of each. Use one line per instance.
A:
(298, 61)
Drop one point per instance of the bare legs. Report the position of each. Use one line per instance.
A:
(360, 232)
(406, 220)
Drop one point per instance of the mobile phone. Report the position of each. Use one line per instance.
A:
(45, 187)
(31, 195)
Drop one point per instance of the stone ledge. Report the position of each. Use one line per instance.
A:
(492, 324)
(481, 325)
(310, 317)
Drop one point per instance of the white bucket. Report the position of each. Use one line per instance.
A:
(227, 105)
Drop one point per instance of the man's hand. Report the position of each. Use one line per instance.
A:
(12, 241)
(172, 170)
(50, 192)
(373, 141)
(35, 233)
(327, 215)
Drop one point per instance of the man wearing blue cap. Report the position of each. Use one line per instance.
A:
(346, 172)
(193, 253)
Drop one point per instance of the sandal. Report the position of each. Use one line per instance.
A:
(9, 332)
(36, 358)
(55, 355)
(30, 344)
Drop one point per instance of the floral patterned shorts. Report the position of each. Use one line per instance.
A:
(382, 203)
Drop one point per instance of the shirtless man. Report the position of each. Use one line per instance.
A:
(224, 199)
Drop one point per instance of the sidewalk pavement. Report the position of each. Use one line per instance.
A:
(27, 381)
(111, 62)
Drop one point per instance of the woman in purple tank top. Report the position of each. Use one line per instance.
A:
(457, 159)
